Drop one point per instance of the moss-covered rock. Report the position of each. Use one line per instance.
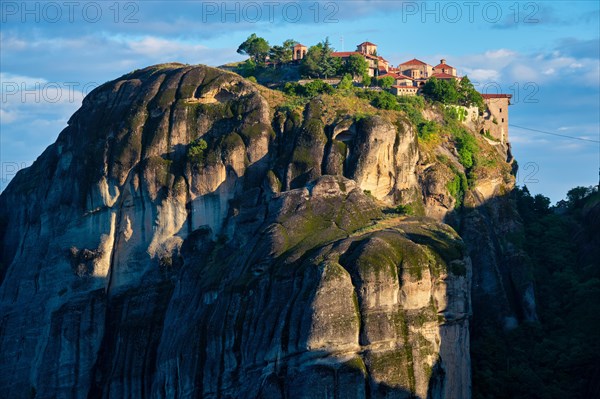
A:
(232, 255)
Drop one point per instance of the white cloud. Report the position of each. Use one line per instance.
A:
(12, 43)
(157, 47)
(100, 54)
(572, 146)
(518, 137)
(9, 79)
(7, 116)
(523, 72)
(549, 71)
(506, 67)
(499, 54)
(485, 75)
(27, 96)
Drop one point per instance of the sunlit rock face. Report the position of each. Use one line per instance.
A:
(185, 237)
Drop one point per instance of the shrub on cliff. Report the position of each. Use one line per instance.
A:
(427, 130)
(467, 148)
(345, 84)
(380, 99)
(412, 107)
(196, 149)
(311, 89)
(317, 87)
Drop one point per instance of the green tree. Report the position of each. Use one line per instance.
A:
(541, 204)
(356, 65)
(317, 87)
(318, 61)
(562, 259)
(309, 67)
(293, 89)
(310, 89)
(442, 90)
(196, 149)
(329, 66)
(277, 55)
(247, 68)
(346, 83)
(575, 196)
(255, 47)
(468, 96)
(366, 80)
(385, 100)
(386, 82)
(282, 54)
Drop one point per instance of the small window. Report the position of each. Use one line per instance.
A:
(502, 120)
(500, 109)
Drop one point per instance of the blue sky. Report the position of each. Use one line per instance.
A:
(544, 53)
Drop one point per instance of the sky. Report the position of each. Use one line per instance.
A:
(546, 54)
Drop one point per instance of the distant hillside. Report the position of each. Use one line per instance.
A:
(558, 357)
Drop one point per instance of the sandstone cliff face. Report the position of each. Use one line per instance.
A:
(488, 222)
(260, 269)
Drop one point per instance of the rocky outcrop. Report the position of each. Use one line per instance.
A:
(476, 201)
(383, 160)
(188, 236)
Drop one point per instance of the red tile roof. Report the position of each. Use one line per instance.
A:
(299, 45)
(439, 66)
(396, 76)
(345, 53)
(367, 44)
(414, 61)
(442, 75)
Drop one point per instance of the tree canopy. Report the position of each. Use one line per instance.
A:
(452, 92)
(441, 90)
(310, 89)
(282, 54)
(556, 357)
(346, 83)
(356, 65)
(255, 47)
(386, 82)
(318, 61)
(467, 95)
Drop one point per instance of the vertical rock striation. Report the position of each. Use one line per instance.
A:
(186, 238)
